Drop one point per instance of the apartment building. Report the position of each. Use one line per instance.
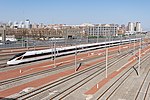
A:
(102, 30)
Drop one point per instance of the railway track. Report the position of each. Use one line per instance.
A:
(9, 81)
(82, 82)
(20, 50)
(140, 89)
(5, 59)
(63, 80)
(10, 54)
(146, 94)
(115, 85)
(3, 65)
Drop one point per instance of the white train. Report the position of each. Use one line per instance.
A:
(29, 56)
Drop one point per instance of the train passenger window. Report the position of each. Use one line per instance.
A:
(30, 56)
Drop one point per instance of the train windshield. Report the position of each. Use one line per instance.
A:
(17, 55)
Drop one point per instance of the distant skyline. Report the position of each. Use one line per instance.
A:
(76, 11)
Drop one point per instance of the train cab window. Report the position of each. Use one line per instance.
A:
(19, 58)
(17, 55)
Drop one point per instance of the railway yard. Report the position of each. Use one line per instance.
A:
(120, 72)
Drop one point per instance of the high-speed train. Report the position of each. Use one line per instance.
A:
(29, 56)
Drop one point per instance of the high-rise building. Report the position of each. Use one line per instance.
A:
(10, 23)
(134, 27)
(27, 23)
(138, 27)
(131, 27)
(41, 25)
(15, 25)
(34, 25)
(21, 24)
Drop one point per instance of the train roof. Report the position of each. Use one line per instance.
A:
(38, 52)
(72, 47)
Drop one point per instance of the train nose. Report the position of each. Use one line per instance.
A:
(10, 63)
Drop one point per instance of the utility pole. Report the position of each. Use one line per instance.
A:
(34, 44)
(97, 33)
(55, 53)
(87, 39)
(76, 58)
(66, 42)
(106, 62)
(106, 55)
(29, 31)
(134, 43)
(120, 45)
(139, 60)
(22, 40)
(28, 42)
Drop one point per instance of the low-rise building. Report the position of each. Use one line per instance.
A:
(102, 30)
(73, 32)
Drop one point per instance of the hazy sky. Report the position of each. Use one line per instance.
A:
(76, 11)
